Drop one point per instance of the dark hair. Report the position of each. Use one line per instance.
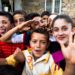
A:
(20, 12)
(31, 16)
(41, 31)
(8, 70)
(8, 15)
(45, 13)
(63, 16)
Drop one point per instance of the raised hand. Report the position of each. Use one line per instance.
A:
(69, 51)
(19, 56)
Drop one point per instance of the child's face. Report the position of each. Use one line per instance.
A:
(4, 24)
(38, 44)
(61, 30)
(18, 19)
(38, 24)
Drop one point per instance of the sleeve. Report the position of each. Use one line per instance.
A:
(11, 61)
(17, 38)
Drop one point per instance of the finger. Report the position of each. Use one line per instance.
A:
(16, 51)
(27, 23)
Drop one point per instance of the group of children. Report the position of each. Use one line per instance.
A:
(34, 35)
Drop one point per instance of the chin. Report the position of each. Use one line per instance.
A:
(62, 42)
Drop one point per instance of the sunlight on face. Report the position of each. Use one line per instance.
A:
(4, 24)
(18, 19)
(61, 30)
(39, 44)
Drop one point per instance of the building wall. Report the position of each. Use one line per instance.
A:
(33, 5)
(68, 7)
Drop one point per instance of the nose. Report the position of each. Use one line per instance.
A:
(38, 45)
(60, 32)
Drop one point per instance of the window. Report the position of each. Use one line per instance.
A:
(7, 5)
(53, 6)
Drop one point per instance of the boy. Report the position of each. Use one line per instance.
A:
(6, 23)
(38, 60)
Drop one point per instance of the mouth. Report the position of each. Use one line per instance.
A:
(61, 38)
(2, 31)
(38, 51)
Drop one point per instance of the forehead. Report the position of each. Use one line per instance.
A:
(36, 35)
(4, 18)
(37, 18)
(45, 16)
(61, 22)
(18, 15)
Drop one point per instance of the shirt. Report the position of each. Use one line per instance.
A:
(42, 66)
(7, 49)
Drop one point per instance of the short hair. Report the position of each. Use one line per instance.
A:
(19, 12)
(8, 70)
(41, 31)
(8, 15)
(45, 13)
(31, 16)
(63, 16)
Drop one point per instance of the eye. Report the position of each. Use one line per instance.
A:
(43, 42)
(34, 41)
(4, 22)
(55, 29)
(64, 28)
(21, 19)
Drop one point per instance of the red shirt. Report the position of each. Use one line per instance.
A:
(7, 49)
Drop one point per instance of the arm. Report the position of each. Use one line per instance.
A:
(17, 57)
(14, 59)
(3, 61)
(7, 35)
(69, 69)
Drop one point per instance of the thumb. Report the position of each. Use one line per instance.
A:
(17, 51)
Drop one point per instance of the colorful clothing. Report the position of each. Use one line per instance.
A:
(7, 49)
(42, 66)
(55, 50)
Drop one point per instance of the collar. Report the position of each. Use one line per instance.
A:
(44, 58)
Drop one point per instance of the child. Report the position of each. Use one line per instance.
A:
(6, 23)
(38, 60)
(62, 27)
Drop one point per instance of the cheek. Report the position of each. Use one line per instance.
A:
(7, 25)
(44, 47)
